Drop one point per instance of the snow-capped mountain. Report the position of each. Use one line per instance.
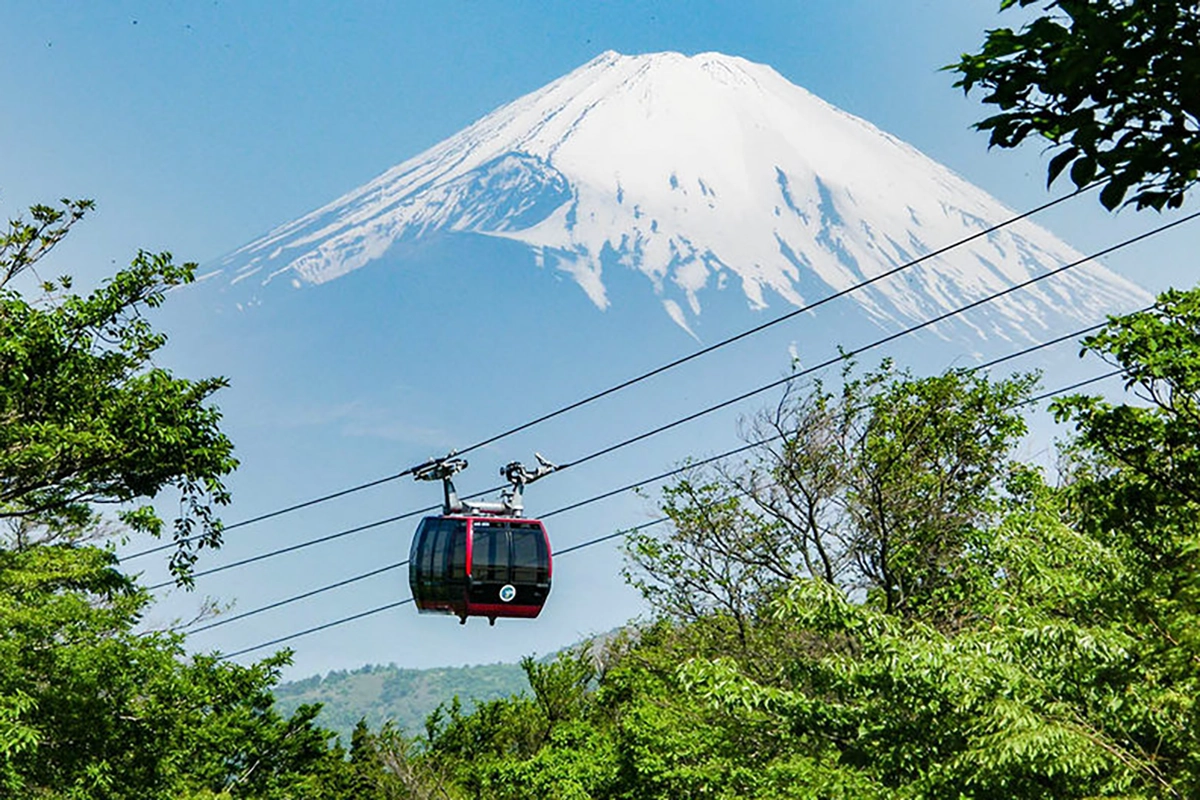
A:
(703, 173)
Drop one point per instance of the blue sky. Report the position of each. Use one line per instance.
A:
(197, 126)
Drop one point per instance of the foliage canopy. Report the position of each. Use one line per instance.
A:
(86, 418)
(91, 707)
(1112, 85)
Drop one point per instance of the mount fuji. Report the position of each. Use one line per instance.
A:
(704, 174)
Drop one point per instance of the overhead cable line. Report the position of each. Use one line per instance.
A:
(637, 378)
(565, 550)
(428, 509)
(758, 443)
(279, 512)
(1072, 387)
(880, 342)
(660, 477)
(841, 357)
(390, 606)
(319, 540)
(782, 318)
(342, 621)
(293, 598)
(300, 545)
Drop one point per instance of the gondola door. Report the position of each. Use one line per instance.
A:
(509, 569)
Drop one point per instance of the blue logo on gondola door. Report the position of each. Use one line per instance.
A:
(508, 592)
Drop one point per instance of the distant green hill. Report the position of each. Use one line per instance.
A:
(406, 696)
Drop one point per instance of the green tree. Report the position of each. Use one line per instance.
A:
(1112, 85)
(89, 707)
(882, 487)
(1076, 673)
(86, 418)
(1135, 486)
(94, 709)
(555, 743)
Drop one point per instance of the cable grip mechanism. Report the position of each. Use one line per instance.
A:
(439, 469)
(511, 502)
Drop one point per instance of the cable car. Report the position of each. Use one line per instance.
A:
(480, 559)
(480, 567)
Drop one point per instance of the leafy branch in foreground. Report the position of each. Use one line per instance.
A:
(25, 243)
(89, 706)
(86, 418)
(1113, 85)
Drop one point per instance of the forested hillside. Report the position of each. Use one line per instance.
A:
(407, 697)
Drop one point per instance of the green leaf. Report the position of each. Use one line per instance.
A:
(1059, 163)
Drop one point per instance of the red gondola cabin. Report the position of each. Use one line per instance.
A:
(480, 566)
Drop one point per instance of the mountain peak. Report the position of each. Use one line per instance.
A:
(701, 172)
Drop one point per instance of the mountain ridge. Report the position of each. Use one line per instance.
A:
(380, 693)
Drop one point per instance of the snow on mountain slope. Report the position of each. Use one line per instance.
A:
(702, 173)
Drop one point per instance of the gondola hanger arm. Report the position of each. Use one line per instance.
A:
(439, 469)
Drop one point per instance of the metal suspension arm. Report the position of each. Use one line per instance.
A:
(511, 503)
